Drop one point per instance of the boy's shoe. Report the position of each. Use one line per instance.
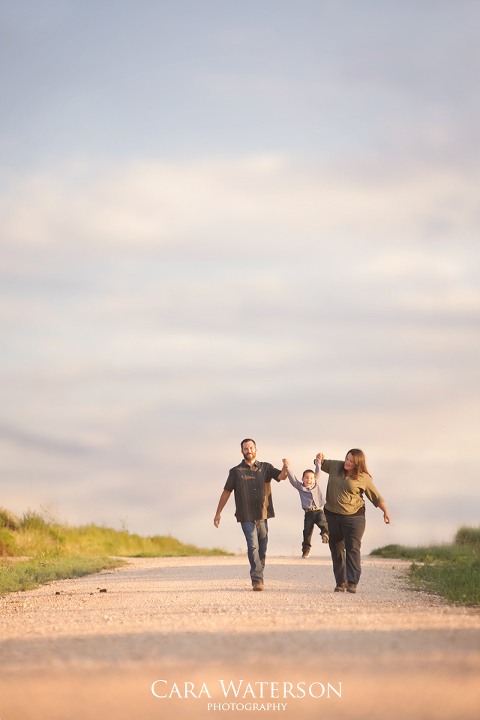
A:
(305, 554)
(351, 587)
(257, 585)
(325, 538)
(341, 587)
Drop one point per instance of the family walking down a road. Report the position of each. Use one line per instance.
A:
(340, 516)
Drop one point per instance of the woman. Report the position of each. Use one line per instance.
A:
(348, 480)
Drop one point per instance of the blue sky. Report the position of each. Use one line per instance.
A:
(238, 220)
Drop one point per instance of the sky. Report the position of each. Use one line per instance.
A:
(227, 220)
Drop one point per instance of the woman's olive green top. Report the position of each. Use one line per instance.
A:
(344, 494)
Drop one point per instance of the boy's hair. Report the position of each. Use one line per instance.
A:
(305, 472)
(247, 440)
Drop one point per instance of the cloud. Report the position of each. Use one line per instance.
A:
(226, 204)
(42, 443)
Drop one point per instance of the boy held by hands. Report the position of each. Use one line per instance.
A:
(312, 501)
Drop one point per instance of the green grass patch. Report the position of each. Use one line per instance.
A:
(450, 570)
(15, 576)
(468, 536)
(429, 553)
(458, 582)
(59, 551)
(40, 535)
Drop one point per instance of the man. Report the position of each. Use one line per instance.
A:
(251, 483)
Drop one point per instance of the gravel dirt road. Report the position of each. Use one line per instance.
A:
(70, 651)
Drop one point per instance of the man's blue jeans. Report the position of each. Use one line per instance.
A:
(346, 532)
(256, 535)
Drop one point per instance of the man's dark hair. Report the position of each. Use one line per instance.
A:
(247, 440)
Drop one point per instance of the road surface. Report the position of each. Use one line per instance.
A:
(192, 630)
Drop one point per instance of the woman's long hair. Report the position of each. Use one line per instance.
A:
(360, 463)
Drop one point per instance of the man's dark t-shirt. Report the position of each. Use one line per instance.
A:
(251, 486)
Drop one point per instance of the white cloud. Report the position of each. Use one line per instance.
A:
(234, 201)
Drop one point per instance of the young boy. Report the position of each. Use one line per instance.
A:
(312, 503)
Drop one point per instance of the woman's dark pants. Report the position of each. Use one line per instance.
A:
(346, 532)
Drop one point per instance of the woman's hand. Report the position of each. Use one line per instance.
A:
(386, 516)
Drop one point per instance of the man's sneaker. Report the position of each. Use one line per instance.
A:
(351, 587)
(305, 554)
(341, 587)
(325, 538)
(257, 585)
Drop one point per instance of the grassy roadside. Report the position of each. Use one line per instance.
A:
(32, 573)
(451, 570)
(56, 550)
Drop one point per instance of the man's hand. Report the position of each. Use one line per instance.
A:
(320, 457)
(216, 520)
(284, 471)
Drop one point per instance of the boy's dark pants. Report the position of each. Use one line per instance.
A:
(312, 518)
